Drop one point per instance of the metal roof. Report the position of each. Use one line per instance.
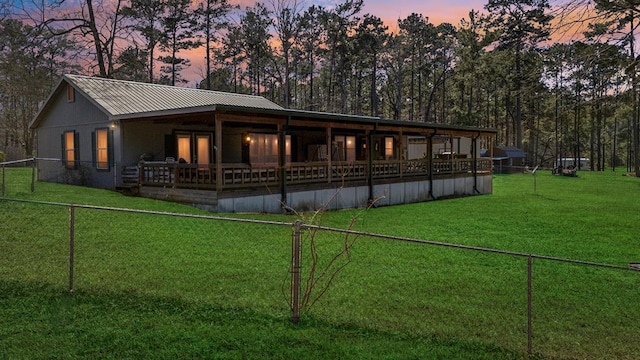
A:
(120, 98)
(512, 151)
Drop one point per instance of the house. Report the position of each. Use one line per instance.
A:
(238, 153)
(508, 159)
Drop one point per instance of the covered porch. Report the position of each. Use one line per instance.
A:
(226, 156)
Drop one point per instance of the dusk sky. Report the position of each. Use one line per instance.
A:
(437, 11)
(451, 11)
(390, 10)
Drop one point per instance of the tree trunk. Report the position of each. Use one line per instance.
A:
(151, 48)
(96, 39)
(114, 30)
(634, 137)
(374, 92)
(174, 51)
(517, 120)
(208, 45)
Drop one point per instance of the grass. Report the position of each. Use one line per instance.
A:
(151, 286)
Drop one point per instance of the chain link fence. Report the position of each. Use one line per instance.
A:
(18, 177)
(21, 176)
(537, 305)
(530, 304)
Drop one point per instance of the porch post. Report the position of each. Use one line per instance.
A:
(218, 149)
(370, 164)
(474, 155)
(400, 153)
(451, 156)
(430, 155)
(282, 161)
(329, 155)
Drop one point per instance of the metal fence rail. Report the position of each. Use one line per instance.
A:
(297, 244)
(25, 162)
(301, 263)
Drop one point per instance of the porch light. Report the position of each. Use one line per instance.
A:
(247, 139)
(114, 124)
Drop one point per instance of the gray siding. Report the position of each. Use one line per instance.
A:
(84, 118)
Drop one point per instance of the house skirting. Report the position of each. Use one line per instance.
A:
(329, 198)
(358, 196)
(203, 199)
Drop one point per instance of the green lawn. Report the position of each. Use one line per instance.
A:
(152, 286)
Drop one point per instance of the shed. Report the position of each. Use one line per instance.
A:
(508, 159)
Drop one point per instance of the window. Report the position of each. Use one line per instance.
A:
(263, 148)
(102, 149)
(184, 148)
(71, 93)
(70, 149)
(388, 147)
(203, 152)
(192, 148)
(344, 148)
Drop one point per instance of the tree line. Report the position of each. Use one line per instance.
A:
(501, 67)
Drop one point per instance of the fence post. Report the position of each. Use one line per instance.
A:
(296, 250)
(529, 306)
(3, 167)
(72, 235)
(33, 175)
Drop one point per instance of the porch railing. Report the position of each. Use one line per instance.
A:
(177, 175)
(245, 175)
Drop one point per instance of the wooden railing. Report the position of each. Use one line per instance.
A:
(177, 175)
(235, 175)
(452, 166)
(349, 171)
(415, 167)
(245, 175)
(311, 172)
